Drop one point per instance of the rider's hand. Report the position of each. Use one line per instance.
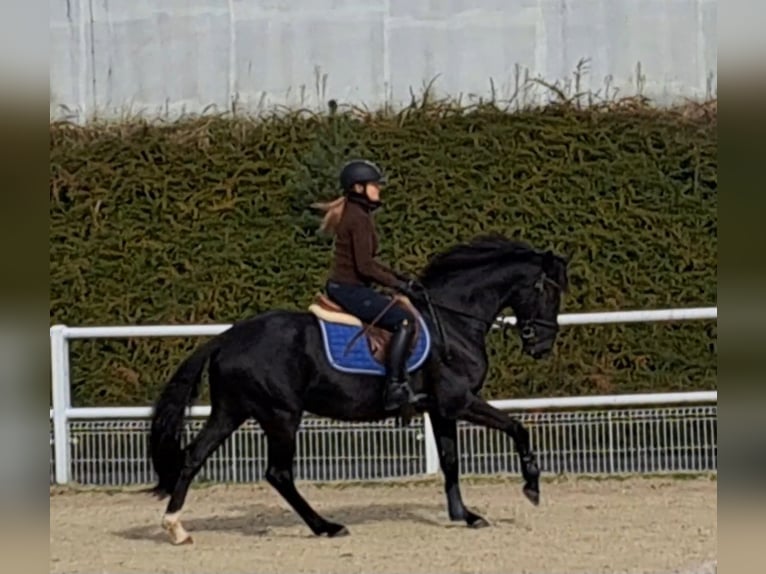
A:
(415, 284)
(409, 288)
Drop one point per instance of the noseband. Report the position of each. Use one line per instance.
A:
(528, 327)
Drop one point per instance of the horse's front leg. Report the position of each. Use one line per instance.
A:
(445, 432)
(479, 412)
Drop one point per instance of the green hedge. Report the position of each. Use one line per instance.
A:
(207, 220)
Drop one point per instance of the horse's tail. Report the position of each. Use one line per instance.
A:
(168, 417)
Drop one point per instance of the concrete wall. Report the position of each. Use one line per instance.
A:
(168, 56)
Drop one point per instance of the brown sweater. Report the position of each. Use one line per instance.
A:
(356, 245)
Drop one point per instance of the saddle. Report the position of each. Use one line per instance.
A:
(377, 338)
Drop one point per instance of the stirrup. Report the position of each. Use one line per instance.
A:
(399, 394)
(413, 398)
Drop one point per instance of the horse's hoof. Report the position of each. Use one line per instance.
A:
(336, 531)
(178, 534)
(478, 523)
(184, 542)
(532, 494)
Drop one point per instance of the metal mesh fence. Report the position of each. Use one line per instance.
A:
(623, 441)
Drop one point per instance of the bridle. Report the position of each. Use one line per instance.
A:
(527, 328)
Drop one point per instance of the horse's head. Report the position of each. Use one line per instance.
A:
(483, 277)
(535, 297)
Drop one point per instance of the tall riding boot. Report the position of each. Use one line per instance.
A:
(398, 392)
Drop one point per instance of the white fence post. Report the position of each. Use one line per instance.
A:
(611, 441)
(432, 454)
(61, 400)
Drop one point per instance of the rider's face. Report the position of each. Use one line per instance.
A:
(372, 190)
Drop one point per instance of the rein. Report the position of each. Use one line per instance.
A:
(526, 326)
(446, 352)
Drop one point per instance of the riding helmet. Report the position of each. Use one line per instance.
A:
(360, 171)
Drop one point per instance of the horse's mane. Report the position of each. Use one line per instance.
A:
(479, 251)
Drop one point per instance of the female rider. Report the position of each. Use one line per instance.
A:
(355, 269)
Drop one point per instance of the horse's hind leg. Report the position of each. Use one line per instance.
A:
(482, 413)
(445, 431)
(280, 435)
(217, 429)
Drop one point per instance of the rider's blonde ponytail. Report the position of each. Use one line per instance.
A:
(333, 212)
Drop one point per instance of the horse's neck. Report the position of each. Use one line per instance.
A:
(473, 307)
(479, 296)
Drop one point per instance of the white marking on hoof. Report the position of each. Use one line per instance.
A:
(178, 534)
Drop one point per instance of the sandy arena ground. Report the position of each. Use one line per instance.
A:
(581, 526)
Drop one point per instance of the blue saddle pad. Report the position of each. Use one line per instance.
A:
(359, 359)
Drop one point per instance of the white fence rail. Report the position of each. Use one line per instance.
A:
(667, 432)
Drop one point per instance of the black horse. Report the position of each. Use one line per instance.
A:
(272, 367)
